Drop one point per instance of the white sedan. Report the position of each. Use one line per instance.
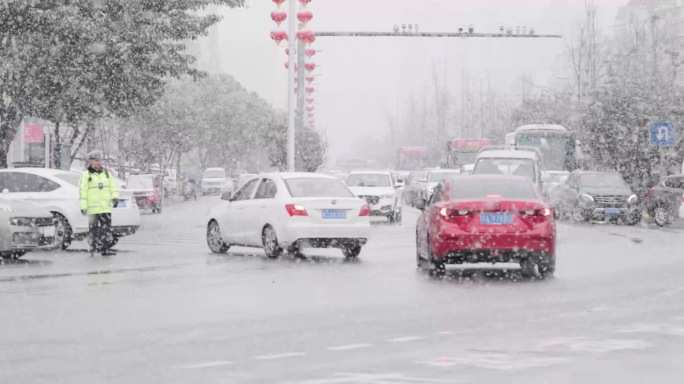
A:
(380, 192)
(289, 211)
(57, 190)
(24, 227)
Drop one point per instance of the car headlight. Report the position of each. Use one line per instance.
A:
(633, 199)
(586, 197)
(431, 189)
(386, 196)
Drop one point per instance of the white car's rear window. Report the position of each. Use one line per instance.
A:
(316, 187)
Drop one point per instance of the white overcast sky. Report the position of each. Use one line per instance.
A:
(362, 80)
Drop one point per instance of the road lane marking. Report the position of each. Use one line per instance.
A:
(405, 339)
(210, 364)
(280, 356)
(349, 347)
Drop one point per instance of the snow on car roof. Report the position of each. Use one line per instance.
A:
(545, 127)
(297, 175)
(508, 154)
(371, 173)
(40, 171)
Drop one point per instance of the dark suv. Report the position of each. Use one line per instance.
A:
(589, 196)
(664, 199)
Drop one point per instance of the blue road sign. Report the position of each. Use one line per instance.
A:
(662, 134)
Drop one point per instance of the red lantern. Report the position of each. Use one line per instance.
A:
(310, 79)
(278, 16)
(310, 52)
(310, 67)
(305, 17)
(310, 89)
(310, 108)
(310, 100)
(306, 36)
(279, 36)
(305, 2)
(278, 2)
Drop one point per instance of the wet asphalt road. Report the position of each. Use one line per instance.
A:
(165, 310)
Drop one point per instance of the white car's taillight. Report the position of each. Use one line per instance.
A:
(365, 210)
(296, 210)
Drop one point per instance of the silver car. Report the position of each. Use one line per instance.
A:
(24, 227)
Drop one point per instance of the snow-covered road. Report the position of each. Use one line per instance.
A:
(165, 310)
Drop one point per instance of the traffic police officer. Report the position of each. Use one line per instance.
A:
(98, 196)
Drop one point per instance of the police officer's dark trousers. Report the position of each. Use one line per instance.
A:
(100, 231)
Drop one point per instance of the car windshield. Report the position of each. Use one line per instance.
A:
(140, 182)
(71, 178)
(317, 187)
(482, 189)
(369, 180)
(436, 177)
(603, 180)
(503, 166)
(214, 174)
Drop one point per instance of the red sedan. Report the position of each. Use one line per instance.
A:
(486, 219)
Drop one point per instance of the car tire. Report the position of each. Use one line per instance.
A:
(269, 239)
(435, 268)
(546, 267)
(578, 215)
(63, 231)
(419, 259)
(214, 238)
(661, 215)
(529, 267)
(632, 218)
(398, 215)
(351, 252)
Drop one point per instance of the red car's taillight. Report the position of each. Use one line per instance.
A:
(296, 210)
(365, 210)
(543, 212)
(449, 213)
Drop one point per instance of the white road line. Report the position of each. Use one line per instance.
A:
(349, 347)
(280, 356)
(210, 364)
(405, 339)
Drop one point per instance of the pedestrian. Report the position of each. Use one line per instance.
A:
(98, 196)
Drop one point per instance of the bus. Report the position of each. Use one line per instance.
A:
(462, 152)
(412, 158)
(556, 143)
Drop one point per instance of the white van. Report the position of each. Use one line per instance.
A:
(215, 181)
(510, 162)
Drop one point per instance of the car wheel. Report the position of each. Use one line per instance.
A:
(633, 218)
(62, 231)
(419, 259)
(579, 215)
(546, 267)
(214, 238)
(270, 242)
(435, 268)
(351, 252)
(661, 215)
(398, 215)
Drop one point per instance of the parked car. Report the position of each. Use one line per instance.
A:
(288, 211)
(486, 219)
(432, 180)
(664, 200)
(378, 189)
(58, 192)
(511, 162)
(215, 181)
(598, 196)
(24, 227)
(147, 191)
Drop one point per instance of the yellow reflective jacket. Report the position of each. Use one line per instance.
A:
(97, 189)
